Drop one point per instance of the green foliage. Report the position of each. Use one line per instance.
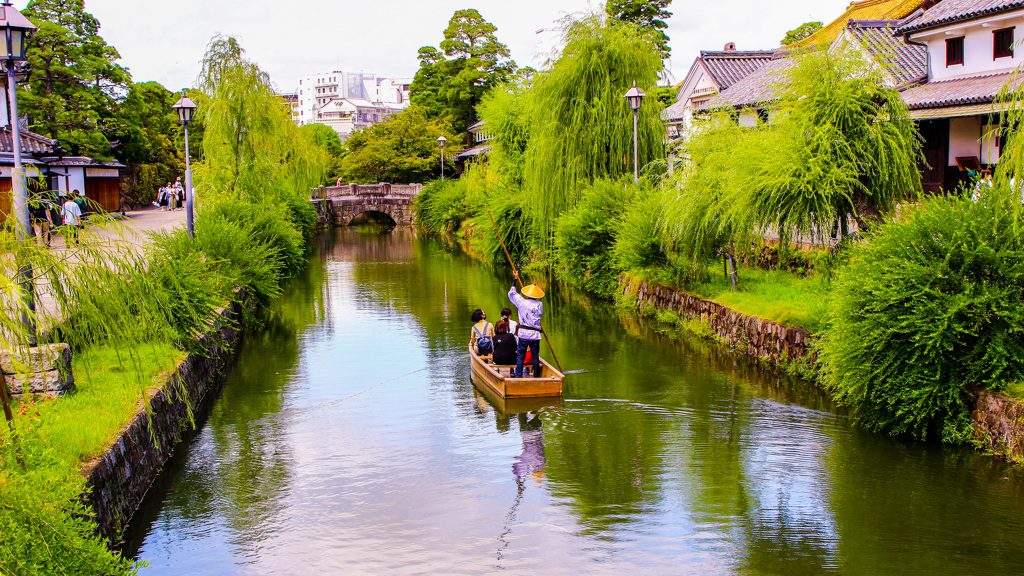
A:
(840, 143)
(326, 138)
(927, 309)
(252, 151)
(147, 130)
(74, 79)
(647, 14)
(402, 149)
(451, 82)
(580, 121)
(506, 110)
(638, 242)
(442, 206)
(585, 234)
(800, 32)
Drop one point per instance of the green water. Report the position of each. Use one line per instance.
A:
(350, 440)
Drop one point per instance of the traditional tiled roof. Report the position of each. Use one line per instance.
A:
(759, 87)
(473, 152)
(864, 10)
(952, 11)
(31, 143)
(908, 63)
(728, 67)
(956, 92)
(80, 161)
(676, 111)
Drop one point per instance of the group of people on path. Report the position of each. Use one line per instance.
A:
(510, 343)
(46, 213)
(171, 197)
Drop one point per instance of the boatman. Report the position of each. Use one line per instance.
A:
(529, 330)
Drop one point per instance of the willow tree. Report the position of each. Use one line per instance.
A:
(581, 126)
(840, 144)
(252, 151)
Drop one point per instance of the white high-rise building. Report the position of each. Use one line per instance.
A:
(348, 101)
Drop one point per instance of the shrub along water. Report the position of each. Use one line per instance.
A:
(929, 309)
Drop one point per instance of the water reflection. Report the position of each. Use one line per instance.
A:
(351, 440)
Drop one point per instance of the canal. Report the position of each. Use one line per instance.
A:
(350, 440)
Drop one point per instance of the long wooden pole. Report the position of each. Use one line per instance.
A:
(513, 264)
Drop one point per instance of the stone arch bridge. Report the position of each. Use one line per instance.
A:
(340, 205)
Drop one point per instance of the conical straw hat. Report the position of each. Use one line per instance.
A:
(533, 291)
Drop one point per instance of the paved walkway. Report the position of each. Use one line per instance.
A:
(135, 225)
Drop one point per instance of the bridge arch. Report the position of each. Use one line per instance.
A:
(348, 203)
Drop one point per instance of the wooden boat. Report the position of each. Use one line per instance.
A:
(499, 379)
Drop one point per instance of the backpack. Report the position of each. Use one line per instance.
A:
(484, 346)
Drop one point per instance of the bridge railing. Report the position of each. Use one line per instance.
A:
(384, 189)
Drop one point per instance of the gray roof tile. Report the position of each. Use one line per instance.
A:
(952, 11)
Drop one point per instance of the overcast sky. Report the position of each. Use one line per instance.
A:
(164, 41)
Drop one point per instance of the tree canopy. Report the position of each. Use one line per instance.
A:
(74, 81)
(647, 14)
(402, 149)
(800, 32)
(451, 81)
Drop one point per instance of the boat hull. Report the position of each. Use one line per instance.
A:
(498, 379)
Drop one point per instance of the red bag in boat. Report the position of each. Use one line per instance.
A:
(529, 357)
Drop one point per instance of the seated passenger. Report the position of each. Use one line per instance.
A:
(504, 345)
(506, 315)
(480, 336)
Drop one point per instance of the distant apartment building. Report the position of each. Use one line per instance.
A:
(347, 101)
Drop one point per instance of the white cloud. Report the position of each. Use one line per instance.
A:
(166, 41)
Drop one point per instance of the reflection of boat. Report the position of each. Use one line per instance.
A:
(512, 406)
(499, 379)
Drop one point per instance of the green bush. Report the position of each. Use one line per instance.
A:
(638, 242)
(442, 207)
(584, 236)
(930, 307)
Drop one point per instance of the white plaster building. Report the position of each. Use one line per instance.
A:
(346, 115)
(347, 101)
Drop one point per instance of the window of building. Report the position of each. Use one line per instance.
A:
(762, 115)
(955, 51)
(1002, 43)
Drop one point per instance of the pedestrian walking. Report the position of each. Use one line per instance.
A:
(72, 217)
(40, 215)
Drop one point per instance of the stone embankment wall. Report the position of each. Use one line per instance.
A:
(777, 343)
(999, 424)
(119, 479)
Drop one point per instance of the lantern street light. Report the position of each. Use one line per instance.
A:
(15, 35)
(635, 97)
(441, 140)
(186, 109)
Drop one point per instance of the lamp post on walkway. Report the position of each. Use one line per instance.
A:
(186, 109)
(635, 97)
(17, 33)
(441, 140)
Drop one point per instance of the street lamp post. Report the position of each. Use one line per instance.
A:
(441, 140)
(16, 35)
(635, 97)
(186, 109)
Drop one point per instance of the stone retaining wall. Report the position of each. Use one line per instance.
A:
(119, 479)
(778, 343)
